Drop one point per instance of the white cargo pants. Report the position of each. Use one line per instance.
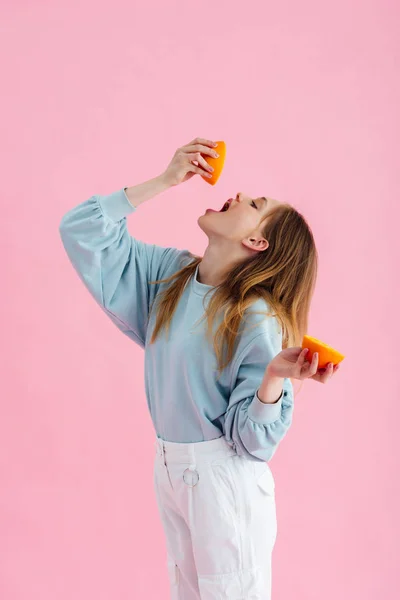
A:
(218, 513)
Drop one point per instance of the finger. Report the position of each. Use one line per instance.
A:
(327, 374)
(202, 149)
(311, 368)
(332, 368)
(199, 170)
(197, 157)
(314, 364)
(202, 161)
(203, 141)
(302, 357)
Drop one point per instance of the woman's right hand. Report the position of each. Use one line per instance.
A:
(182, 167)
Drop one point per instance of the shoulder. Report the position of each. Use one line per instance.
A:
(260, 336)
(165, 261)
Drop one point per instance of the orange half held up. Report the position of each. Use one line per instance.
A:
(326, 354)
(216, 163)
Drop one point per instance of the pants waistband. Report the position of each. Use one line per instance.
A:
(188, 452)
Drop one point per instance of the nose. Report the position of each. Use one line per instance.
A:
(237, 198)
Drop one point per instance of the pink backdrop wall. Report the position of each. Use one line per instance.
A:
(99, 96)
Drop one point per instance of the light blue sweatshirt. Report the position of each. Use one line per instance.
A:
(186, 399)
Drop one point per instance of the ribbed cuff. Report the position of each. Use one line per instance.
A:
(263, 413)
(116, 206)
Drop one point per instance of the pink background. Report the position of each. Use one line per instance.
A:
(97, 96)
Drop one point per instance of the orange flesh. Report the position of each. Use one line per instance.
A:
(327, 354)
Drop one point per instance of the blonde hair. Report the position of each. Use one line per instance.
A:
(284, 275)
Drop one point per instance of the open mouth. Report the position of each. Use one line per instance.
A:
(226, 205)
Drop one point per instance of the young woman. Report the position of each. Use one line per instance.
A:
(221, 335)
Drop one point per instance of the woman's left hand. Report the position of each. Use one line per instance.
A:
(292, 363)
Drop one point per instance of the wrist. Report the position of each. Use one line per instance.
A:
(165, 181)
(137, 194)
(271, 388)
(270, 373)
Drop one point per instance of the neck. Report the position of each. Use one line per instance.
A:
(216, 263)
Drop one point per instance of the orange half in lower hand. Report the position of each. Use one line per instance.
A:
(216, 163)
(326, 354)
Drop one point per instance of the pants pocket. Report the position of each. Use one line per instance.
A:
(265, 479)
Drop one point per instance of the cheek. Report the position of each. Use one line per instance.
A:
(242, 223)
(235, 229)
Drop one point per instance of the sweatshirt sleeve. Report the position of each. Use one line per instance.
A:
(256, 428)
(114, 266)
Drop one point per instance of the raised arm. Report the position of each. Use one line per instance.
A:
(114, 266)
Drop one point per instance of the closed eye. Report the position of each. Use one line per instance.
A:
(254, 204)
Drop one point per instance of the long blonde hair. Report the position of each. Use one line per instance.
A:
(284, 275)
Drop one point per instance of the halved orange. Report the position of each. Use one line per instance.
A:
(216, 163)
(326, 355)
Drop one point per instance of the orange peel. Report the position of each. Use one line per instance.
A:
(216, 163)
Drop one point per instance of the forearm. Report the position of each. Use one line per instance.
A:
(271, 388)
(141, 192)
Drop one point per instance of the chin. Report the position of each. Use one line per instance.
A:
(200, 220)
(202, 223)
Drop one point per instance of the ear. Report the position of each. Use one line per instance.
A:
(256, 243)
